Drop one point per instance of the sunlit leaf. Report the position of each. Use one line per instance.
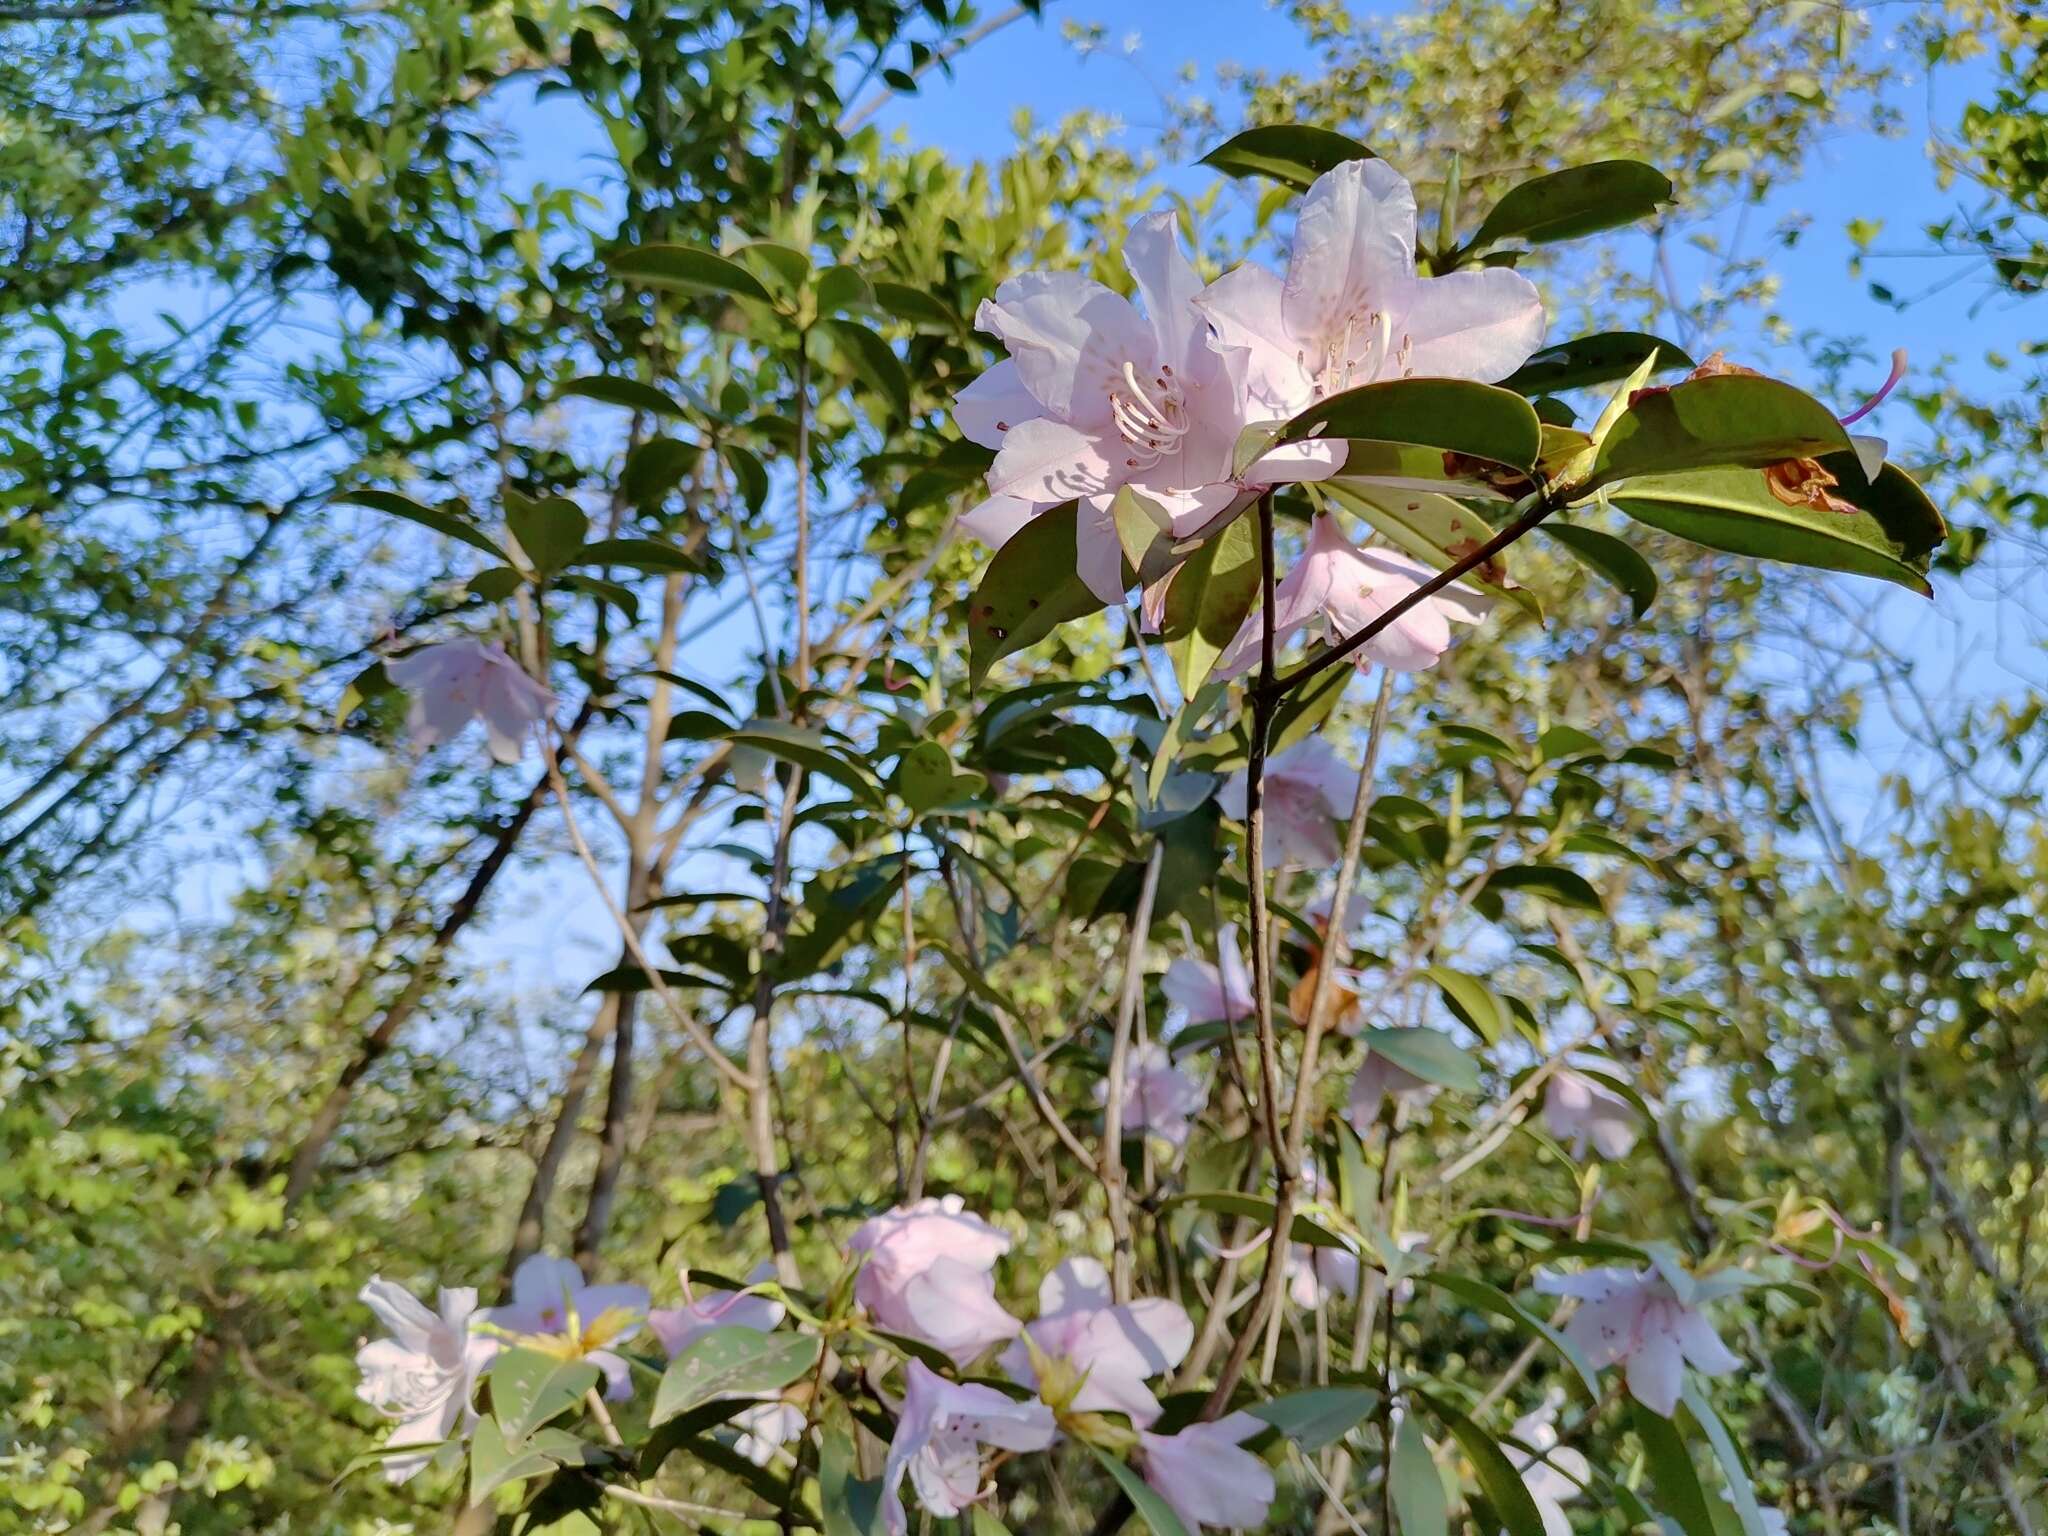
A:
(1582, 200)
(1292, 153)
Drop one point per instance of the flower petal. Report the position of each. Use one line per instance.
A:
(986, 409)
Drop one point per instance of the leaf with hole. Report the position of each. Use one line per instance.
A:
(1030, 588)
(1892, 534)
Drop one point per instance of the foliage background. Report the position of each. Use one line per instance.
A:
(258, 256)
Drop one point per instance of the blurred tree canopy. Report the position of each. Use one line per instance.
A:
(263, 259)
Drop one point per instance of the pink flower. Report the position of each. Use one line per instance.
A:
(1158, 1096)
(1640, 1319)
(765, 1428)
(1307, 787)
(460, 680)
(1553, 1474)
(1376, 1078)
(550, 1298)
(424, 1375)
(929, 1276)
(1206, 1477)
(939, 1435)
(680, 1327)
(1314, 1273)
(1578, 1110)
(1352, 310)
(1338, 588)
(1116, 1348)
(1096, 396)
(1205, 993)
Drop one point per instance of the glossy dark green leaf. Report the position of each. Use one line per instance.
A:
(925, 778)
(496, 1462)
(495, 584)
(1212, 592)
(811, 750)
(1892, 535)
(1417, 1488)
(685, 269)
(732, 1362)
(1680, 1495)
(916, 308)
(1615, 560)
(1473, 1001)
(1027, 590)
(1294, 154)
(1425, 1053)
(1582, 200)
(550, 531)
(1481, 421)
(850, 1506)
(1319, 1416)
(648, 555)
(1157, 1514)
(1489, 1298)
(1566, 887)
(655, 468)
(1724, 421)
(1735, 1474)
(439, 519)
(630, 393)
(1602, 358)
(872, 360)
(1496, 1474)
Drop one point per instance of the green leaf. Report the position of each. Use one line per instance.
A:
(1566, 887)
(1498, 1479)
(873, 361)
(1582, 200)
(1318, 1417)
(495, 1461)
(1157, 1514)
(837, 903)
(1476, 1005)
(367, 684)
(809, 749)
(648, 555)
(1435, 530)
(1212, 592)
(630, 393)
(850, 1507)
(925, 777)
(655, 468)
(1891, 536)
(1489, 1298)
(1027, 590)
(1294, 154)
(685, 269)
(1428, 1054)
(549, 531)
(1614, 560)
(1734, 1470)
(1597, 359)
(1724, 421)
(1260, 1209)
(619, 597)
(732, 1362)
(442, 522)
(1417, 1489)
(784, 263)
(1672, 1473)
(495, 584)
(916, 307)
(842, 288)
(529, 1388)
(748, 471)
(1482, 421)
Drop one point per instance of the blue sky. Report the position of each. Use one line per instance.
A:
(1030, 66)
